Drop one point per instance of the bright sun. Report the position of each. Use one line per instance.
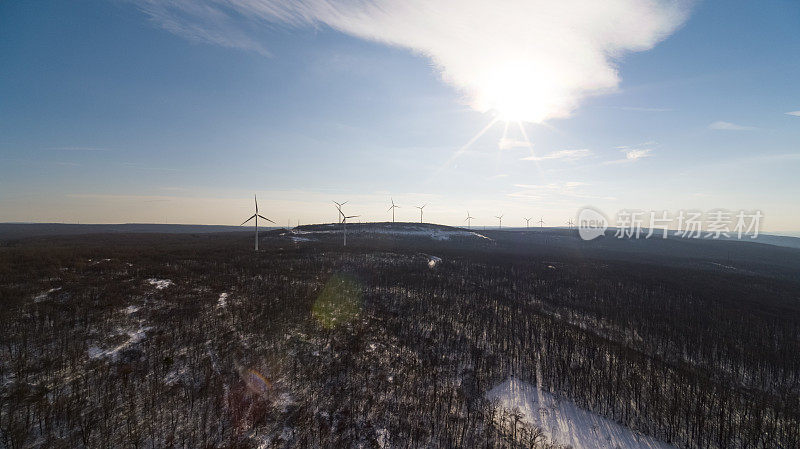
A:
(518, 92)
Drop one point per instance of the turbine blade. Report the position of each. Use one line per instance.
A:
(254, 216)
(265, 218)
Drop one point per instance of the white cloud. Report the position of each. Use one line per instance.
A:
(642, 109)
(794, 113)
(631, 155)
(567, 155)
(554, 191)
(498, 176)
(507, 144)
(531, 60)
(637, 154)
(728, 126)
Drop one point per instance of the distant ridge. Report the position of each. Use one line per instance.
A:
(9, 231)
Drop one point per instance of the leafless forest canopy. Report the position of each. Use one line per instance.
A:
(195, 341)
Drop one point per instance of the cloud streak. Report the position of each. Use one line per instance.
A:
(631, 155)
(566, 155)
(728, 126)
(533, 59)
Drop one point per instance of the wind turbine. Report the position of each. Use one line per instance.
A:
(570, 223)
(339, 207)
(501, 220)
(256, 216)
(392, 208)
(469, 220)
(528, 222)
(344, 224)
(420, 211)
(541, 221)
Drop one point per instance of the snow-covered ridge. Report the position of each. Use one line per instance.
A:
(434, 232)
(565, 423)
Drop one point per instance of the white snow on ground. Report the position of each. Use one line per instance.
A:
(382, 438)
(404, 230)
(222, 301)
(130, 310)
(433, 260)
(723, 266)
(565, 423)
(134, 336)
(300, 239)
(43, 295)
(159, 284)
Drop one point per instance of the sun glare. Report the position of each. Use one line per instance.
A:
(518, 92)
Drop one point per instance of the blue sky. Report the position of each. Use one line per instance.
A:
(125, 111)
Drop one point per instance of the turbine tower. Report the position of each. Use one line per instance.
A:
(339, 207)
(344, 224)
(541, 221)
(392, 208)
(256, 216)
(528, 222)
(420, 211)
(570, 223)
(469, 220)
(501, 220)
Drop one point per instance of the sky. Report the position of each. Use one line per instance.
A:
(121, 111)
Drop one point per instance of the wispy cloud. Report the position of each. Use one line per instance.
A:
(208, 21)
(507, 144)
(566, 155)
(498, 176)
(78, 149)
(728, 126)
(794, 113)
(631, 155)
(555, 191)
(641, 109)
(481, 48)
(140, 166)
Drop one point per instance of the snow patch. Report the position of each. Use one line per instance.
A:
(222, 301)
(564, 422)
(159, 284)
(402, 230)
(44, 295)
(135, 336)
(382, 438)
(130, 310)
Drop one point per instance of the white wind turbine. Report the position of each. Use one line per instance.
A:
(392, 208)
(541, 221)
(256, 216)
(344, 224)
(469, 220)
(339, 208)
(501, 220)
(570, 223)
(420, 211)
(528, 222)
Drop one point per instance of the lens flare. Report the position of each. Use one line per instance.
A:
(338, 303)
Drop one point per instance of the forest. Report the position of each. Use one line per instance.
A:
(196, 341)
